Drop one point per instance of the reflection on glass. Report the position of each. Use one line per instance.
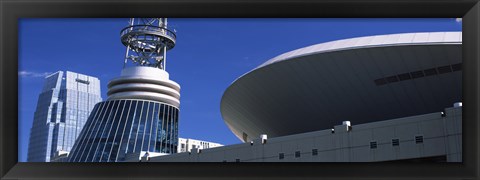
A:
(117, 128)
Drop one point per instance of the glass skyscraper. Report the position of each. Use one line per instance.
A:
(63, 106)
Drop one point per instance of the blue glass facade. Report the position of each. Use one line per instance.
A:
(63, 107)
(116, 128)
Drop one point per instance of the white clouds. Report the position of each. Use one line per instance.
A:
(458, 19)
(33, 74)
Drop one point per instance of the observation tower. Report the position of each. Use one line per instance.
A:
(144, 74)
(140, 114)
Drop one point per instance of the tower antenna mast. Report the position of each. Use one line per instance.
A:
(147, 41)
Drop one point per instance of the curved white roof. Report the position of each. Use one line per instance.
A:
(372, 41)
(360, 79)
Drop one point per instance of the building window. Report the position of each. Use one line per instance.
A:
(281, 155)
(419, 139)
(297, 154)
(380, 81)
(404, 76)
(419, 74)
(82, 81)
(373, 145)
(392, 79)
(314, 152)
(429, 72)
(395, 142)
(457, 67)
(444, 69)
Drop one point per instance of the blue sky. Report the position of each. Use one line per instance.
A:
(210, 54)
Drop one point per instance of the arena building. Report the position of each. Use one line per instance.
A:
(362, 80)
(401, 92)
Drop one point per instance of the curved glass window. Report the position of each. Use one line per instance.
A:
(117, 128)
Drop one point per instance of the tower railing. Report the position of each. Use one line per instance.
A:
(141, 32)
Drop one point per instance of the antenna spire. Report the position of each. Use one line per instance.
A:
(147, 41)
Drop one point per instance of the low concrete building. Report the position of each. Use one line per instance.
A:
(60, 156)
(434, 137)
(185, 145)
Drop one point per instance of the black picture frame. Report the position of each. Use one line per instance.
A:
(11, 11)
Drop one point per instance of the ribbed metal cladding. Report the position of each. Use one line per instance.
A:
(119, 127)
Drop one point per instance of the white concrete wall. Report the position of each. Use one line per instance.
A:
(441, 137)
(190, 143)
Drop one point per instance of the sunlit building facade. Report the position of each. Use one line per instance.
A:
(66, 100)
(187, 144)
